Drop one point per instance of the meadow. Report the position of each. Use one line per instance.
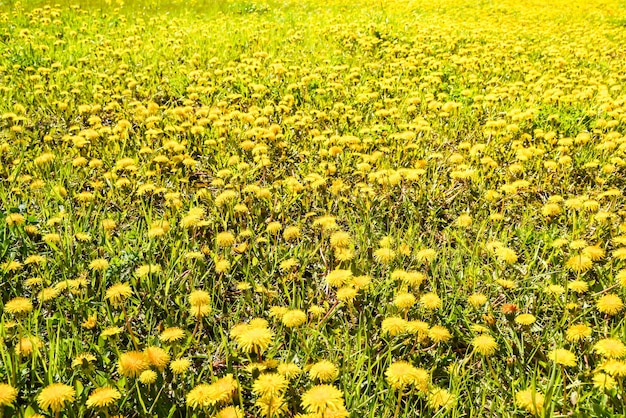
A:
(312, 209)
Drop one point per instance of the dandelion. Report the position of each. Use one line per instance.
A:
(99, 264)
(132, 363)
(603, 381)
(340, 239)
(579, 263)
(171, 335)
(394, 326)
(291, 233)
(525, 319)
(324, 371)
(577, 332)
(610, 348)
(55, 397)
(289, 370)
(530, 400)
(157, 357)
(225, 239)
(439, 398)
(338, 278)
(404, 300)
(118, 293)
(180, 366)
(506, 255)
(578, 286)
(347, 294)
(294, 318)
(230, 412)
(322, 398)
(199, 298)
(8, 394)
(485, 344)
(384, 255)
(148, 377)
(272, 406)
(563, 357)
(430, 301)
(439, 334)
(426, 255)
(254, 339)
(477, 300)
(18, 306)
(270, 385)
(401, 374)
(205, 395)
(103, 397)
(609, 304)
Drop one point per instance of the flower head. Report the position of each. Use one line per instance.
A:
(401, 374)
(103, 397)
(485, 344)
(322, 398)
(55, 397)
(530, 400)
(8, 394)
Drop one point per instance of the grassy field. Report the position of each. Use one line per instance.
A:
(312, 208)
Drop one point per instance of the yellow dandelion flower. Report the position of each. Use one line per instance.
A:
(485, 344)
(230, 412)
(404, 300)
(272, 406)
(118, 293)
(563, 357)
(254, 339)
(394, 326)
(603, 381)
(610, 348)
(525, 319)
(132, 363)
(347, 294)
(157, 357)
(430, 301)
(426, 255)
(180, 366)
(324, 371)
(477, 300)
(609, 304)
(577, 332)
(578, 286)
(171, 335)
(270, 385)
(294, 318)
(225, 239)
(289, 370)
(439, 334)
(439, 398)
(579, 263)
(340, 239)
(205, 395)
(148, 377)
(594, 252)
(18, 306)
(401, 374)
(8, 394)
(384, 255)
(199, 297)
(616, 368)
(338, 278)
(103, 397)
(55, 397)
(531, 400)
(321, 399)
